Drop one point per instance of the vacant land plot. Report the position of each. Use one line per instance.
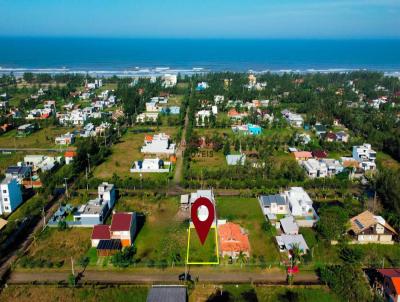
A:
(206, 253)
(162, 236)
(300, 294)
(208, 159)
(90, 294)
(57, 247)
(42, 138)
(128, 151)
(247, 213)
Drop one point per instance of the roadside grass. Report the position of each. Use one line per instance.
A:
(202, 253)
(57, 246)
(42, 138)
(162, 238)
(247, 213)
(28, 293)
(127, 151)
(298, 294)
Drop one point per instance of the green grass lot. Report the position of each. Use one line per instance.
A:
(175, 100)
(90, 294)
(58, 247)
(208, 159)
(387, 161)
(128, 151)
(202, 253)
(298, 294)
(42, 138)
(247, 213)
(163, 236)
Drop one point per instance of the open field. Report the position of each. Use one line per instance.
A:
(127, 151)
(42, 138)
(175, 100)
(57, 247)
(163, 237)
(208, 159)
(247, 213)
(53, 293)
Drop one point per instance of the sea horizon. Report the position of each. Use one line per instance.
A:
(155, 56)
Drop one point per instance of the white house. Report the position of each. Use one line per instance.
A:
(273, 205)
(152, 107)
(158, 144)
(151, 165)
(300, 203)
(201, 116)
(42, 162)
(289, 225)
(287, 242)
(294, 119)
(147, 117)
(65, 139)
(169, 80)
(10, 195)
(365, 156)
(315, 168)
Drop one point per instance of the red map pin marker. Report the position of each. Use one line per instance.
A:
(202, 226)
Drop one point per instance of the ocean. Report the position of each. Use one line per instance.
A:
(107, 56)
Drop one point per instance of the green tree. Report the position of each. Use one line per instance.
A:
(333, 222)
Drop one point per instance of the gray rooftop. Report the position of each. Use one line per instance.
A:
(268, 199)
(165, 293)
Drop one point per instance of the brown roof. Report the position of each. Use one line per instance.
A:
(364, 221)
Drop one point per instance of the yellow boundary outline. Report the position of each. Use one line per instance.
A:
(203, 263)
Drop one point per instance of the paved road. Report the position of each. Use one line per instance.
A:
(112, 277)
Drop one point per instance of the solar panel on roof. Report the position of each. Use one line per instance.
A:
(359, 224)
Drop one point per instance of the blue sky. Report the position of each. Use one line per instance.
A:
(202, 18)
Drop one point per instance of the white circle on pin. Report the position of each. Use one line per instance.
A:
(202, 213)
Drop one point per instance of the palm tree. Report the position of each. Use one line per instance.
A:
(296, 254)
(242, 258)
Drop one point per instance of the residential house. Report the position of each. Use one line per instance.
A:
(96, 211)
(233, 240)
(248, 129)
(19, 172)
(123, 227)
(319, 154)
(365, 156)
(233, 114)
(273, 205)
(169, 80)
(25, 129)
(295, 120)
(201, 117)
(389, 283)
(369, 228)
(320, 130)
(287, 242)
(209, 194)
(302, 155)
(342, 136)
(69, 156)
(202, 86)
(159, 144)
(315, 168)
(147, 117)
(41, 162)
(10, 195)
(152, 107)
(65, 139)
(300, 203)
(151, 165)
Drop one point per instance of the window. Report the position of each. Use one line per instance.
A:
(6, 208)
(4, 191)
(5, 199)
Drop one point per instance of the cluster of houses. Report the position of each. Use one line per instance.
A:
(253, 84)
(294, 119)
(155, 107)
(161, 146)
(293, 209)
(318, 165)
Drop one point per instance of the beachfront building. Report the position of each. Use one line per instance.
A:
(10, 195)
(159, 144)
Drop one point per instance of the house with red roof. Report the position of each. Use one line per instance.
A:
(233, 240)
(302, 155)
(123, 227)
(100, 232)
(69, 156)
(390, 283)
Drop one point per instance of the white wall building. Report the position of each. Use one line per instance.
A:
(300, 203)
(159, 144)
(365, 156)
(151, 165)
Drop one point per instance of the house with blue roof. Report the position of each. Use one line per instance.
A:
(254, 129)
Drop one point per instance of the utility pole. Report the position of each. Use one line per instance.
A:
(88, 156)
(87, 182)
(66, 187)
(44, 219)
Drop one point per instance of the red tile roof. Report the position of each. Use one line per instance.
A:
(320, 154)
(232, 238)
(302, 154)
(121, 222)
(396, 284)
(69, 154)
(101, 231)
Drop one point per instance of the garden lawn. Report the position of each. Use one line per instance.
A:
(30, 293)
(247, 213)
